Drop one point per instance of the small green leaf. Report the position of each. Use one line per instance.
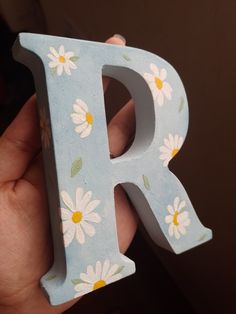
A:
(51, 277)
(127, 58)
(77, 281)
(76, 167)
(181, 105)
(74, 58)
(146, 182)
(119, 270)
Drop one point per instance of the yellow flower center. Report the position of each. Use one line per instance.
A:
(175, 218)
(77, 217)
(62, 59)
(159, 83)
(89, 118)
(174, 152)
(99, 284)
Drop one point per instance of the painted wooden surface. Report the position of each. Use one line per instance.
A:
(80, 175)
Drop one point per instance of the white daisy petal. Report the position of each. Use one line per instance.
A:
(167, 143)
(114, 278)
(52, 64)
(166, 91)
(91, 206)
(61, 50)
(106, 266)
(87, 278)
(79, 234)
(182, 204)
(160, 99)
(163, 74)
(112, 271)
(176, 233)
(176, 203)
(78, 109)
(67, 200)
(165, 156)
(79, 196)
(88, 228)
(176, 140)
(66, 225)
(170, 209)
(154, 69)
(69, 54)
(80, 128)
(59, 69)
(87, 131)
(85, 200)
(65, 214)
(82, 104)
(98, 269)
(186, 222)
(168, 219)
(67, 69)
(80, 294)
(171, 141)
(166, 162)
(171, 230)
(83, 288)
(93, 217)
(148, 77)
(182, 230)
(54, 52)
(78, 118)
(180, 142)
(69, 235)
(164, 149)
(91, 273)
(72, 65)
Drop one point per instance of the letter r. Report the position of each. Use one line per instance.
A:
(79, 173)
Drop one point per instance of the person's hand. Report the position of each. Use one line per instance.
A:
(25, 240)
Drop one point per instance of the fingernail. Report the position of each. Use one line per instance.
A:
(120, 37)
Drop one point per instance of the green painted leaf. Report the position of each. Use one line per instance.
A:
(146, 182)
(74, 58)
(77, 281)
(51, 277)
(119, 270)
(181, 105)
(127, 58)
(76, 167)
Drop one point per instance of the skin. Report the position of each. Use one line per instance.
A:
(25, 239)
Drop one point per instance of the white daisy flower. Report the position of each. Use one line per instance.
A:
(44, 126)
(159, 87)
(178, 220)
(61, 60)
(75, 220)
(83, 118)
(171, 148)
(97, 277)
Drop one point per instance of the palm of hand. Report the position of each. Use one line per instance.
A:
(25, 237)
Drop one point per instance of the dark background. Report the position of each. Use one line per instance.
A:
(198, 39)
